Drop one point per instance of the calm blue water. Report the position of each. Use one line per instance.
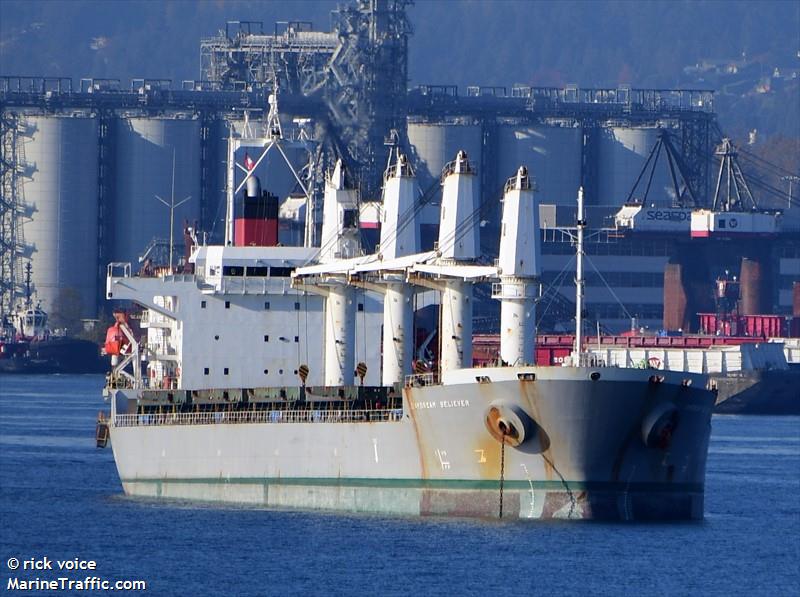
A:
(60, 497)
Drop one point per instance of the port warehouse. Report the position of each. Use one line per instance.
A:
(90, 163)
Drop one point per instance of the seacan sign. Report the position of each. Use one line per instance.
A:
(668, 215)
(659, 218)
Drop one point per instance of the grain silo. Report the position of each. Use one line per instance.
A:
(552, 155)
(622, 154)
(61, 200)
(434, 145)
(144, 169)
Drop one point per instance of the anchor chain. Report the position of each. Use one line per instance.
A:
(502, 468)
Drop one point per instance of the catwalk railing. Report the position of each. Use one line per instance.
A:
(260, 416)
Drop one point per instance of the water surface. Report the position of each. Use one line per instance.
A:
(60, 497)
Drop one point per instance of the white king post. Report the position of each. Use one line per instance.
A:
(339, 241)
(519, 262)
(398, 239)
(458, 242)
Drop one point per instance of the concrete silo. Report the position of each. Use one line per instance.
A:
(433, 145)
(144, 160)
(622, 153)
(552, 155)
(61, 198)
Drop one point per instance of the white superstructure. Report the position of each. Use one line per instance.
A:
(236, 321)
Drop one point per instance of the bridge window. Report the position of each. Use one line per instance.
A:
(350, 218)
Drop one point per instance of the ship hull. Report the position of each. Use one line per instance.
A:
(56, 355)
(584, 454)
(762, 392)
(423, 498)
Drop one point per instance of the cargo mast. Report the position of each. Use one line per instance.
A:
(519, 261)
(398, 239)
(581, 224)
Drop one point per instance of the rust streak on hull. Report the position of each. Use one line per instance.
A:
(409, 401)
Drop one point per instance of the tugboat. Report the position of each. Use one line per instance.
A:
(28, 345)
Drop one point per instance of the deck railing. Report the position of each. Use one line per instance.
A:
(260, 416)
(422, 379)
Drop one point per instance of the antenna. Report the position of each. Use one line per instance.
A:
(28, 293)
(172, 205)
(790, 179)
(581, 224)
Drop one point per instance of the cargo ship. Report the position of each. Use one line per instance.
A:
(286, 376)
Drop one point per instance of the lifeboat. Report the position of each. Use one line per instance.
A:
(116, 342)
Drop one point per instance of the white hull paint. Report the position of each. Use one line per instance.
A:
(588, 459)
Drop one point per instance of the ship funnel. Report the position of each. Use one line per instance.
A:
(256, 217)
(460, 211)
